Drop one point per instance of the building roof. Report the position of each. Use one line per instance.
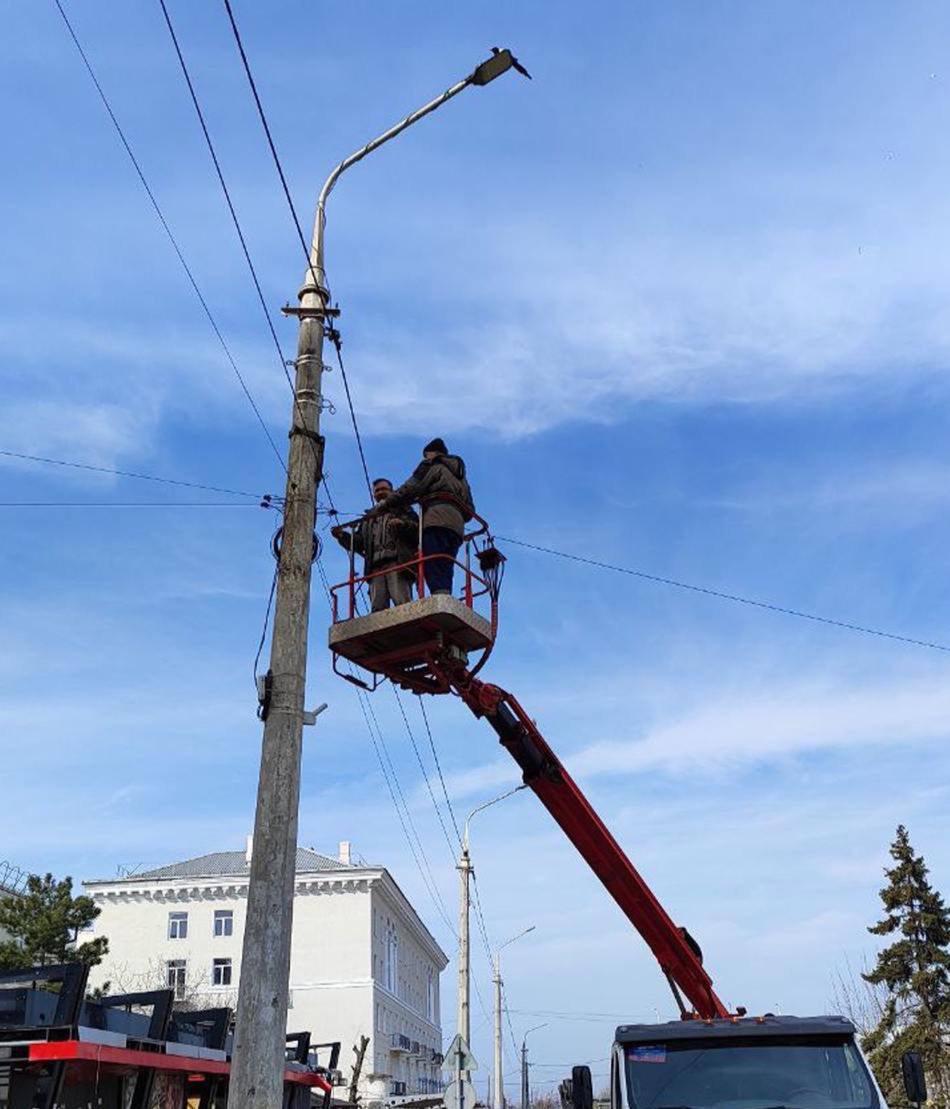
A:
(231, 864)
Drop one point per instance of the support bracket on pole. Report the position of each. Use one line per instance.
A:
(310, 716)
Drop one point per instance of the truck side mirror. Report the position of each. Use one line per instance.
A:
(915, 1084)
(582, 1088)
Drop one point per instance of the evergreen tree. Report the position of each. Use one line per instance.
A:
(915, 971)
(43, 924)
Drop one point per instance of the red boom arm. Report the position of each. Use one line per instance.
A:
(676, 952)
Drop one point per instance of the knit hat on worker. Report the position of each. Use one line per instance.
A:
(437, 445)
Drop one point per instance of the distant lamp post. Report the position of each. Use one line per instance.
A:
(465, 870)
(525, 1095)
(499, 1087)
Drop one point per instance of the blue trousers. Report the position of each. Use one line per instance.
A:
(438, 571)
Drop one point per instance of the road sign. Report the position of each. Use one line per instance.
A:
(452, 1063)
(452, 1099)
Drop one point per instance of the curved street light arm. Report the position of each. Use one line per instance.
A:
(486, 805)
(314, 294)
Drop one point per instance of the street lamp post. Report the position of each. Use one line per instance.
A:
(260, 1032)
(525, 1096)
(466, 870)
(499, 1084)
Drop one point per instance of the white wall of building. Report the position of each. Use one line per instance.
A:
(362, 961)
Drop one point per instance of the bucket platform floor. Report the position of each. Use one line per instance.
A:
(439, 620)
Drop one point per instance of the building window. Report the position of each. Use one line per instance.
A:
(175, 976)
(430, 993)
(177, 926)
(221, 972)
(223, 922)
(392, 958)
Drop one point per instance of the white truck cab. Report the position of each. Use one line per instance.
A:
(767, 1062)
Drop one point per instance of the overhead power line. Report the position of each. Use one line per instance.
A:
(425, 775)
(125, 504)
(126, 473)
(438, 766)
(332, 333)
(723, 596)
(236, 222)
(168, 231)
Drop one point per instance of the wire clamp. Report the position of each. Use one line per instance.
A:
(313, 436)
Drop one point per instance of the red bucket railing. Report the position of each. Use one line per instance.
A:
(474, 585)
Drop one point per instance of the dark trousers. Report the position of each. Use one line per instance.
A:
(438, 571)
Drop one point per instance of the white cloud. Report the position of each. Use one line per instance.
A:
(747, 727)
(750, 727)
(786, 315)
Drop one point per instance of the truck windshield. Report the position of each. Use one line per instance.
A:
(794, 1073)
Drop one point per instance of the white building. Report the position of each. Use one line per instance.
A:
(362, 961)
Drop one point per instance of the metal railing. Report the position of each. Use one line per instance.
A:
(474, 584)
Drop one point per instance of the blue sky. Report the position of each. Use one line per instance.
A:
(681, 304)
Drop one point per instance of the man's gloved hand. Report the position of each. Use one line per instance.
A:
(336, 531)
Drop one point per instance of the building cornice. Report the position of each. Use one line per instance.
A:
(178, 890)
(230, 887)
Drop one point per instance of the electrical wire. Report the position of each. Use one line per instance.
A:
(438, 766)
(395, 789)
(168, 232)
(224, 187)
(424, 868)
(332, 333)
(238, 229)
(267, 132)
(430, 886)
(270, 602)
(409, 820)
(126, 473)
(124, 504)
(863, 629)
(425, 776)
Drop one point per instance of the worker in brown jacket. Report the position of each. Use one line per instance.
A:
(440, 487)
(387, 539)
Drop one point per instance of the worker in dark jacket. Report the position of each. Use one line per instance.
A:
(439, 485)
(387, 539)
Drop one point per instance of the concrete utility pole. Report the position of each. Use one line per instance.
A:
(256, 1080)
(464, 1006)
(499, 1084)
(525, 1093)
(466, 870)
